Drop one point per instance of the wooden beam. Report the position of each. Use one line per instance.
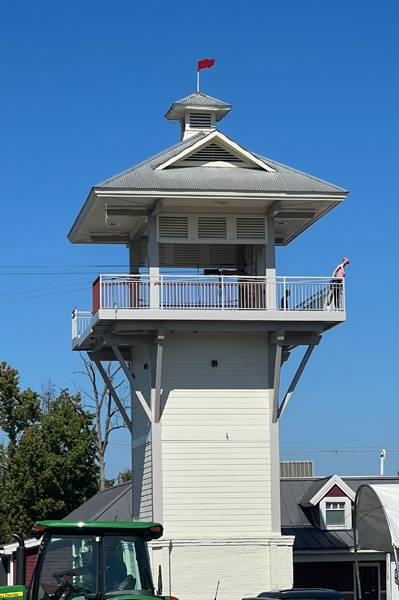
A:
(106, 355)
(123, 211)
(297, 340)
(156, 409)
(132, 381)
(109, 239)
(114, 395)
(295, 380)
(156, 208)
(273, 210)
(277, 370)
(291, 214)
(128, 340)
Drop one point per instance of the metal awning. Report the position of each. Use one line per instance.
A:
(377, 517)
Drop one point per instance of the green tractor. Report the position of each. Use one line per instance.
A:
(94, 560)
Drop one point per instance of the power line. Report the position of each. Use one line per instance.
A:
(47, 288)
(42, 295)
(61, 266)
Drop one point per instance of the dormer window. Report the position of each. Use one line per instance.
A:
(330, 501)
(336, 513)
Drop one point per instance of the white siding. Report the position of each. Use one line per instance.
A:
(141, 455)
(192, 568)
(215, 432)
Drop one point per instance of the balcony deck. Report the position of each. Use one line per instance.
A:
(134, 303)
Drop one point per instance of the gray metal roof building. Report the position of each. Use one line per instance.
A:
(296, 520)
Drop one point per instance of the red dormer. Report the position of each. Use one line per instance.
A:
(330, 501)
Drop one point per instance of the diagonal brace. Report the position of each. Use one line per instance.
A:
(157, 376)
(295, 380)
(114, 395)
(277, 369)
(132, 381)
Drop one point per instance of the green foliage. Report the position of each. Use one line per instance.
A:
(18, 410)
(50, 467)
(126, 475)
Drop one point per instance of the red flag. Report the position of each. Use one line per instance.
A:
(205, 63)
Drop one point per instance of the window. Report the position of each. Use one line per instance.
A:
(336, 513)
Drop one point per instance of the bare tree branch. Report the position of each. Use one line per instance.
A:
(106, 414)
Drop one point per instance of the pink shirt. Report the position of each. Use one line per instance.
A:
(340, 271)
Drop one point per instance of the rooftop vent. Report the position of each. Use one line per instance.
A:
(297, 468)
(200, 120)
(214, 153)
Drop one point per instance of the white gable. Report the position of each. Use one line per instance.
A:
(215, 150)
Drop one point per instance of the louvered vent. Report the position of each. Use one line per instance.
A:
(187, 255)
(161, 255)
(173, 227)
(143, 250)
(212, 227)
(296, 468)
(200, 120)
(250, 228)
(183, 127)
(213, 153)
(222, 255)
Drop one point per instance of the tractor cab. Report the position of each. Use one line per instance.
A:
(91, 561)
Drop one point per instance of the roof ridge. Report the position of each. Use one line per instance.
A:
(147, 160)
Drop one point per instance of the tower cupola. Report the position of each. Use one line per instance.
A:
(197, 113)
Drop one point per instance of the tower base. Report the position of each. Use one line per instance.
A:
(192, 567)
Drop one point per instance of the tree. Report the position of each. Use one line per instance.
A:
(106, 414)
(18, 410)
(49, 467)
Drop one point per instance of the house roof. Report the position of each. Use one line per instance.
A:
(320, 488)
(297, 521)
(280, 178)
(112, 504)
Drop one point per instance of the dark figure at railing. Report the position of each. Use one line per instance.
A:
(284, 300)
(335, 291)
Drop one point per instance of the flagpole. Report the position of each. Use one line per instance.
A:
(197, 77)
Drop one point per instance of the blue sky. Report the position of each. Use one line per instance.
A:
(313, 85)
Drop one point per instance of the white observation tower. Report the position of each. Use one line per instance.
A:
(201, 325)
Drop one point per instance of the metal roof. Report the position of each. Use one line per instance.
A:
(113, 504)
(298, 521)
(197, 101)
(313, 538)
(313, 490)
(144, 176)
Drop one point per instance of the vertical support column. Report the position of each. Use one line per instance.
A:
(134, 267)
(135, 509)
(274, 366)
(270, 260)
(153, 261)
(156, 354)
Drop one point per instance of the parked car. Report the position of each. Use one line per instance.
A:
(301, 594)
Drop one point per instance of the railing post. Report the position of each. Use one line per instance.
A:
(343, 295)
(271, 293)
(284, 294)
(74, 323)
(154, 291)
(161, 292)
(222, 295)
